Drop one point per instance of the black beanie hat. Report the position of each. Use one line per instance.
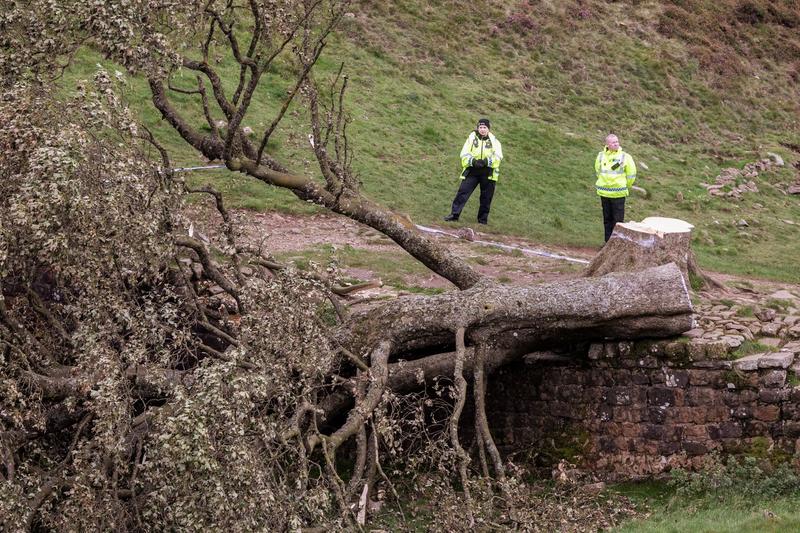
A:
(484, 121)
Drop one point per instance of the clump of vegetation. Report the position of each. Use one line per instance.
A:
(779, 305)
(749, 347)
(747, 479)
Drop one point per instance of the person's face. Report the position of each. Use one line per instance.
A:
(483, 129)
(612, 142)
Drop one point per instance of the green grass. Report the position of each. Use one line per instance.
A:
(686, 99)
(758, 492)
(393, 269)
(777, 516)
(749, 347)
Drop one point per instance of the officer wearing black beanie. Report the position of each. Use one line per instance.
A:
(480, 165)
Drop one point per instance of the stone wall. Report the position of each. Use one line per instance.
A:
(639, 409)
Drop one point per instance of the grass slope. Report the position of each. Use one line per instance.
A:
(690, 86)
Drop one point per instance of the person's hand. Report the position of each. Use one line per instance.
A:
(479, 163)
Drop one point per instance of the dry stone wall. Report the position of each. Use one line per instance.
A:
(629, 410)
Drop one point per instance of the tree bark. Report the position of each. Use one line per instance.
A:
(514, 321)
(652, 242)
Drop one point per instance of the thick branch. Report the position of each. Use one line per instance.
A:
(379, 374)
(461, 396)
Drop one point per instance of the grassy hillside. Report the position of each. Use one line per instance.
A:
(690, 86)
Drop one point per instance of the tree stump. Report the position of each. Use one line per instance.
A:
(654, 241)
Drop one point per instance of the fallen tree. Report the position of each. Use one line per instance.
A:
(155, 380)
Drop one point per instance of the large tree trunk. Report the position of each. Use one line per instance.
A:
(654, 241)
(513, 321)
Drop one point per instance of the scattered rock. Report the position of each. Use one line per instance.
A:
(694, 333)
(746, 364)
(765, 314)
(776, 159)
(792, 346)
(770, 341)
(729, 182)
(734, 341)
(466, 234)
(776, 360)
(771, 329)
(782, 295)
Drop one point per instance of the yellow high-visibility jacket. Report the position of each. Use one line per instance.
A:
(615, 172)
(476, 148)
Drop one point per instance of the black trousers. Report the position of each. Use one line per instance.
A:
(613, 212)
(468, 185)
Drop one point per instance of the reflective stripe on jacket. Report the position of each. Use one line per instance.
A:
(477, 148)
(615, 172)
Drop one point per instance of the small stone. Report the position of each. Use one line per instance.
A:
(774, 378)
(772, 328)
(770, 341)
(782, 294)
(742, 223)
(595, 351)
(793, 346)
(776, 360)
(748, 363)
(694, 333)
(216, 289)
(715, 365)
(765, 314)
(775, 159)
(734, 341)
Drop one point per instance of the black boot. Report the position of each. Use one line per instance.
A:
(451, 218)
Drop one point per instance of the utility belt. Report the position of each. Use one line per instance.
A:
(473, 172)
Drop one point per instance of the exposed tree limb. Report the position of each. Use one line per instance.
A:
(461, 396)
